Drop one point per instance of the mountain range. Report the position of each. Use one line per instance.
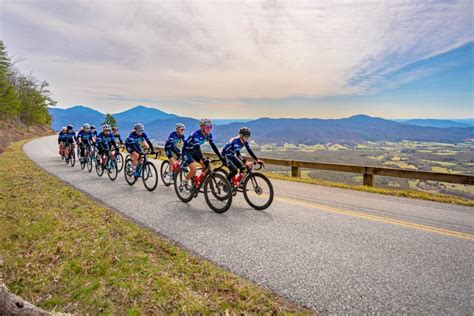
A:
(354, 129)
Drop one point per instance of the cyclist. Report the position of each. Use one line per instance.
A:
(61, 138)
(192, 149)
(69, 139)
(84, 139)
(171, 147)
(234, 160)
(104, 142)
(133, 145)
(115, 131)
(94, 130)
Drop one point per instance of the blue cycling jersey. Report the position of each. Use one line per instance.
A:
(136, 139)
(94, 133)
(70, 137)
(105, 140)
(61, 136)
(234, 146)
(173, 140)
(117, 136)
(196, 139)
(85, 136)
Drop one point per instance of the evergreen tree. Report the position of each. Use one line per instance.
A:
(109, 119)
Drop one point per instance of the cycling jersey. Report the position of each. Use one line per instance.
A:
(86, 137)
(173, 140)
(234, 146)
(117, 136)
(70, 137)
(133, 142)
(192, 146)
(104, 141)
(61, 137)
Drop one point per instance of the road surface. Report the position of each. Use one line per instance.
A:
(332, 250)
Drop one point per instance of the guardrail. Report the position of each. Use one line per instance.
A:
(368, 172)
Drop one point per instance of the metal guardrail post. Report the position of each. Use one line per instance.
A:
(369, 177)
(295, 171)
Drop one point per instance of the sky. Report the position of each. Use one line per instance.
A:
(249, 59)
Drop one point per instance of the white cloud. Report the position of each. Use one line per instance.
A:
(227, 49)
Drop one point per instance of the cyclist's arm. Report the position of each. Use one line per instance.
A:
(214, 148)
(251, 153)
(147, 140)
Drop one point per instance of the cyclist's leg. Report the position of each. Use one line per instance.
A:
(233, 167)
(169, 154)
(189, 160)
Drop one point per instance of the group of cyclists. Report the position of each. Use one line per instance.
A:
(183, 153)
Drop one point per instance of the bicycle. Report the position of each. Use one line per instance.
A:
(120, 160)
(90, 157)
(109, 164)
(84, 160)
(216, 188)
(261, 186)
(148, 171)
(70, 154)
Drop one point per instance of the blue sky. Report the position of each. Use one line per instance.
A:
(247, 59)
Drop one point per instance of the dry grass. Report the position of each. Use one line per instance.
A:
(396, 192)
(64, 252)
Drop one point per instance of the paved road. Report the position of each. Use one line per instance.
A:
(333, 250)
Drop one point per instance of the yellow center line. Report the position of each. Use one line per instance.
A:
(431, 229)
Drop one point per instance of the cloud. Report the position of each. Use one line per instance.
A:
(228, 50)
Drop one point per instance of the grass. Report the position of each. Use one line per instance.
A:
(395, 192)
(65, 252)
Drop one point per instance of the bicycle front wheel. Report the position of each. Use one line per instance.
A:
(258, 191)
(119, 160)
(217, 192)
(182, 186)
(72, 158)
(128, 171)
(98, 166)
(112, 170)
(166, 175)
(150, 176)
(89, 162)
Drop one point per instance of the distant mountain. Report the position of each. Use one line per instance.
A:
(435, 123)
(75, 115)
(355, 129)
(142, 114)
(80, 114)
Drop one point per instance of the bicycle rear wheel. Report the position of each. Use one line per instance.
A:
(128, 171)
(166, 175)
(149, 176)
(217, 192)
(182, 186)
(72, 158)
(258, 191)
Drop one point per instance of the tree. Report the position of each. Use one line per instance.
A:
(109, 119)
(9, 102)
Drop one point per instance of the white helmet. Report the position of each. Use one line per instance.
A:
(106, 127)
(205, 122)
(180, 125)
(64, 128)
(86, 126)
(139, 127)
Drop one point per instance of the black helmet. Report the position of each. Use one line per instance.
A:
(70, 127)
(93, 127)
(245, 131)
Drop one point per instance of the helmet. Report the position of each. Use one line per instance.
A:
(70, 127)
(115, 128)
(63, 128)
(245, 131)
(205, 122)
(92, 126)
(106, 127)
(139, 127)
(180, 125)
(86, 126)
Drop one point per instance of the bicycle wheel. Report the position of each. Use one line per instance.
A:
(119, 160)
(166, 175)
(217, 192)
(72, 159)
(82, 161)
(149, 176)
(182, 186)
(128, 171)
(258, 191)
(89, 161)
(112, 170)
(98, 166)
